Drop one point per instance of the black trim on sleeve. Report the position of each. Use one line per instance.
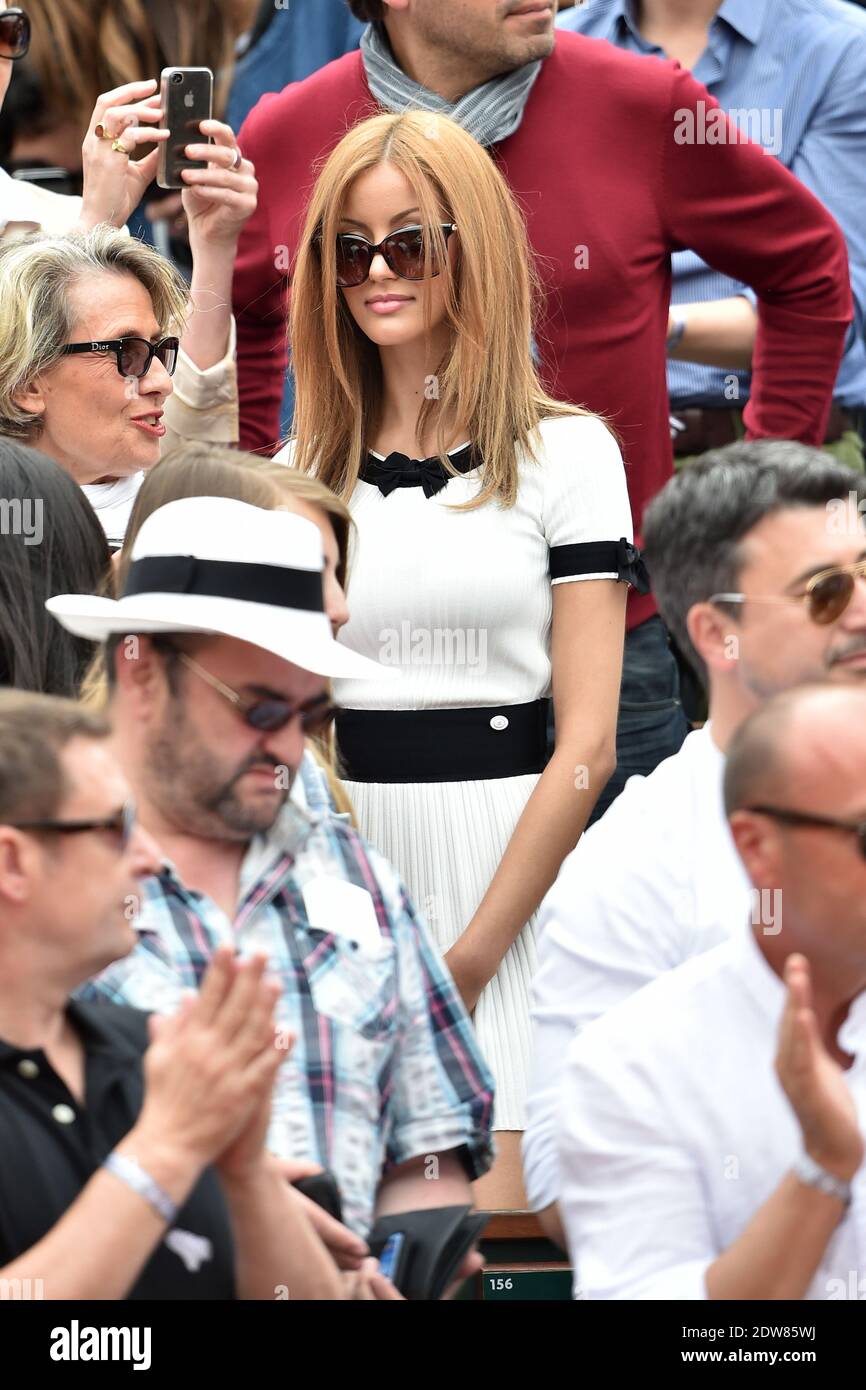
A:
(601, 557)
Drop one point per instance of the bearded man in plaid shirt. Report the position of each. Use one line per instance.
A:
(211, 699)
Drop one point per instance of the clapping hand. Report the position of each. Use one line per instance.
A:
(814, 1082)
(210, 1068)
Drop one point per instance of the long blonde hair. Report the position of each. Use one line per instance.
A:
(487, 379)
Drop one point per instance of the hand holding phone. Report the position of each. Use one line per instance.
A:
(422, 1251)
(391, 1258)
(186, 97)
(116, 178)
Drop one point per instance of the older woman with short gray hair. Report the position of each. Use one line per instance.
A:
(90, 326)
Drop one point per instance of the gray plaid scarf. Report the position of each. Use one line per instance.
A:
(490, 112)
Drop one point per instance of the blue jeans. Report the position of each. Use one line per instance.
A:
(651, 724)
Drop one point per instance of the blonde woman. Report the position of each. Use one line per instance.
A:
(493, 526)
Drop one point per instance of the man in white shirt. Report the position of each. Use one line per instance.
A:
(712, 1125)
(657, 879)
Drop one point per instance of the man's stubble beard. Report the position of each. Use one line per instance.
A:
(493, 58)
(182, 786)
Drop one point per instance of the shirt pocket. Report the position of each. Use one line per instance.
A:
(354, 986)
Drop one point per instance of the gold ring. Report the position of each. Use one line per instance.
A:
(100, 132)
(120, 147)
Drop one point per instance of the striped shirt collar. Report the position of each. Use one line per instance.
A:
(745, 16)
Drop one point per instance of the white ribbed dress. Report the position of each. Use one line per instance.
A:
(462, 603)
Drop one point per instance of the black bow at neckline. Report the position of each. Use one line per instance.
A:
(397, 470)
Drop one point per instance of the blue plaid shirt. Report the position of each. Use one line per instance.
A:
(385, 1066)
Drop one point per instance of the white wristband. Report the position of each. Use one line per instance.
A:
(131, 1172)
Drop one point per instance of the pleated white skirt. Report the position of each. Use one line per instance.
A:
(446, 840)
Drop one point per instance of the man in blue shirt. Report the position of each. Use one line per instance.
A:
(289, 40)
(791, 75)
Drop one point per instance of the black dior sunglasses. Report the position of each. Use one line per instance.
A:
(14, 34)
(122, 824)
(133, 355)
(404, 252)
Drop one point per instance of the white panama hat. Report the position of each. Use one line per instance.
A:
(212, 564)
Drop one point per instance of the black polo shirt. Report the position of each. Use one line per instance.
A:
(50, 1147)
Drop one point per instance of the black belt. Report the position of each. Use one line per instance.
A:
(442, 745)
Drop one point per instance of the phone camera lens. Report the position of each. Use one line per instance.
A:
(177, 77)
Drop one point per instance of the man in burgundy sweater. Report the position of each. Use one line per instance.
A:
(589, 138)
